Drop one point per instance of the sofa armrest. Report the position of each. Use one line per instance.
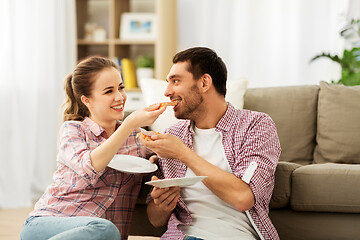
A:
(282, 190)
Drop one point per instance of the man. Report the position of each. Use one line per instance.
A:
(237, 150)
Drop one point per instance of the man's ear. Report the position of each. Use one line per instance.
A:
(206, 82)
(85, 100)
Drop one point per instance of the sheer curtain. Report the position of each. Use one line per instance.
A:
(37, 51)
(268, 42)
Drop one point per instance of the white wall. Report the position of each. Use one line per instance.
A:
(270, 42)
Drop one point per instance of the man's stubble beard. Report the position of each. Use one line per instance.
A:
(192, 108)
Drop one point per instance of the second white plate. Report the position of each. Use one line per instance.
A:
(172, 182)
(132, 164)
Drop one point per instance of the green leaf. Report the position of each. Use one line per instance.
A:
(145, 62)
(350, 79)
(334, 58)
(350, 60)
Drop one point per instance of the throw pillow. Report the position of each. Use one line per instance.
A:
(153, 92)
(338, 128)
(293, 109)
(235, 92)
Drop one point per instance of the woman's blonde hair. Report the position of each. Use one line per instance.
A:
(81, 82)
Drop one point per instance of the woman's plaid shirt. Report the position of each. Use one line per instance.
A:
(78, 190)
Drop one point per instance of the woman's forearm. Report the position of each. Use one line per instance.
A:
(102, 155)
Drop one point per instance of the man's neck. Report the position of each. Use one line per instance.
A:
(212, 115)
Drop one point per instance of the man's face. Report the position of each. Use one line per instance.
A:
(184, 88)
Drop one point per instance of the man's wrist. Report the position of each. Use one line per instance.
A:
(186, 155)
(159, 217)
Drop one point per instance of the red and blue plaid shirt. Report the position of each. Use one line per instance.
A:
(78, 190)
(249, 138)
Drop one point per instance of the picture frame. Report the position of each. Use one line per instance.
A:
(138, 26)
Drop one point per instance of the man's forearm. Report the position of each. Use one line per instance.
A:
(223, 184)
(157, 217)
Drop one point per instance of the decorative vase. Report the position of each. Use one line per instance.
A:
(144, 73)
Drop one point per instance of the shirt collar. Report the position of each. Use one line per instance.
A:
(223, 125)
(225, 122)
(95, 128)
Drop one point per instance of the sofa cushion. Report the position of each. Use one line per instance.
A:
(282, 190)
(294, 225)
(328, 187)
(338, 132)
(294, 111)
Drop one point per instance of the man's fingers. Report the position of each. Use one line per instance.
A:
(158, 136)
(168, 200)
(159, 195)
(162, 194)
(172, 199)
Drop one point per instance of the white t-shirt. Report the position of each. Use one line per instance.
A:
(212, 217)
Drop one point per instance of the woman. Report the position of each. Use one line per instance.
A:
(87, 199)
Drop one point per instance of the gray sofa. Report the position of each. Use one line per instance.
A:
(317, 193)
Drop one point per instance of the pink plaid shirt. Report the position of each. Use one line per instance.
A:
(249, 138)
(78, 190)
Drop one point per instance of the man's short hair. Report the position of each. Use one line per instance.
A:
(204, 60)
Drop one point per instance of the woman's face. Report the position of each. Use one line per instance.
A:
(108, 97)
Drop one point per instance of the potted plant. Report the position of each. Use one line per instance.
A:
(350, 60)
(145, 67)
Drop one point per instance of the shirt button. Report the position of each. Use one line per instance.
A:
(184, 166)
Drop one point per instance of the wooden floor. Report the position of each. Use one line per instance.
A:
(11, 221)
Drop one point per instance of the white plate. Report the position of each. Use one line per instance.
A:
(171, 182)
(132, 164)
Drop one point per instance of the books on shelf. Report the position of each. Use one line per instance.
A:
(128, 73)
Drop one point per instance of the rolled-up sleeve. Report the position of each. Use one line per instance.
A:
(74, 152)
(258, 157)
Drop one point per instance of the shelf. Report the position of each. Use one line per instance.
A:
(89, 42)
(132, 90)
(107, 14)
(134, 42)
(115, 42)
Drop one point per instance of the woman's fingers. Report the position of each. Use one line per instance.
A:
(154, 159)
(153, 107)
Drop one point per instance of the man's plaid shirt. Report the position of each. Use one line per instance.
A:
(249, 138)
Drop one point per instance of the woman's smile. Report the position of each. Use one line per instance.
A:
(118, 107)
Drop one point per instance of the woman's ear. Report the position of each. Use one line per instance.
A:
(85, 101)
